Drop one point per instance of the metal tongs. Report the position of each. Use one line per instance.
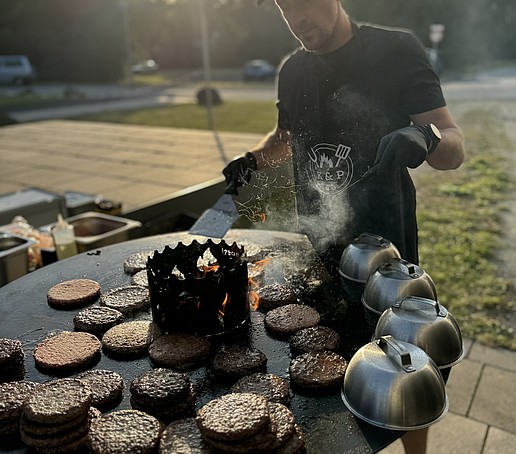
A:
(369, 173)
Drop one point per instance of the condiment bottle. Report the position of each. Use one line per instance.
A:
(64, 238)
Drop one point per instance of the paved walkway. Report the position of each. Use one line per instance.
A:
(137, 165)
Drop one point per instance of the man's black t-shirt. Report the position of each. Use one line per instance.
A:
(338, 106)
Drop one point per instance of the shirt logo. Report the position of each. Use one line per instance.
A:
(330, 168)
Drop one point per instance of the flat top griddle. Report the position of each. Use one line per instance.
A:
(328, 425)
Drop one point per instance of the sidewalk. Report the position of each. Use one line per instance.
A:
(137, 165)
(482, 394)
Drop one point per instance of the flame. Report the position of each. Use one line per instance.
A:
(208, 268)
(260, 264)
(223, 306)
(252, 294)
(262, 217)
(254, 299)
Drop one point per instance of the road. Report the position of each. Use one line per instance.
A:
(493, 86)
(90, 99)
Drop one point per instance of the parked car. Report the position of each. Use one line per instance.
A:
(16, 70)
(258, 70)
(149, 66)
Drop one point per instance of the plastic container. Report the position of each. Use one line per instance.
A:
(64, 238)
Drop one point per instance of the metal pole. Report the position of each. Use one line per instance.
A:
(206, 61)
(127, 36)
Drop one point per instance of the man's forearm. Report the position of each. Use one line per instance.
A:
(449, 154)
(273, 150)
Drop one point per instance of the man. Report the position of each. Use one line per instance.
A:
(357, 106)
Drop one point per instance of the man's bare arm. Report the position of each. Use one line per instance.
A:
(449, 154)
(273, 150)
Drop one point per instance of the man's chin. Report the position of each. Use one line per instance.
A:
(309, 45)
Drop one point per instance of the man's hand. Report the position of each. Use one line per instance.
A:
(238, 172)
(405, 147)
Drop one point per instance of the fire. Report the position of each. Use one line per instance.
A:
(260, 264)
(252, 294)
(209, 268)
(262, 217)
(223, 306)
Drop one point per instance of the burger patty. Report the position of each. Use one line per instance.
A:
(166, 412)
(271, 386)
(318, 370)
(164, 394)
(123, 432)
(161, 386)
(73, 293)
(233, 417)
(294, 445)
(42, 430)
(67, 351)
(11, 360)
(58, 401)
(97, 320)
(10, 352)
(183, 437)
(315, 338)
(234, 362)
(140, 278)
(72, 435)
(12, 397)
(127, 299)
(107, 387)
(130, 338)
(286, 320)
(275, 295)
(179, 351)
(136, 262)
(274, 435)
(282, 424)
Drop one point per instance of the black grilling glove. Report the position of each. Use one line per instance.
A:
(405, 147)
(238, 172)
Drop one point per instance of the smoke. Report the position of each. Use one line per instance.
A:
(269, 202)
(328, 224)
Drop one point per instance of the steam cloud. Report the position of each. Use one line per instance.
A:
(327, 226)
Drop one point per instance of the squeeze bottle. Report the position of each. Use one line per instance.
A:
(64, 238)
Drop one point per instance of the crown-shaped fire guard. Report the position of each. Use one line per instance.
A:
(189, 296)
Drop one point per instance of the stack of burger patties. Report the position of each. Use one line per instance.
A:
(11, 360)
(249, 423)
(12, 397)
(164, 394)
(56, 416)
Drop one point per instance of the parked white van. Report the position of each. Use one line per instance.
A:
(16, 70)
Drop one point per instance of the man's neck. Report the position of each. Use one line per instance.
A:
(342, 33)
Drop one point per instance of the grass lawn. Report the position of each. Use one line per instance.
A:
(238, 116)
(458, 213)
